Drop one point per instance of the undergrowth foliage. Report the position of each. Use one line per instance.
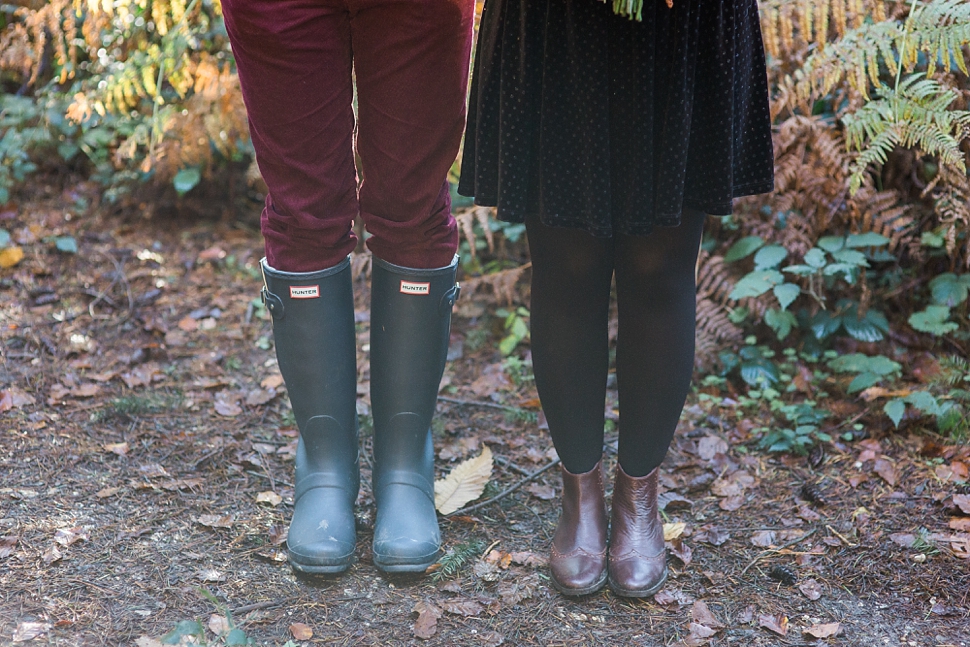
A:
(141, 88)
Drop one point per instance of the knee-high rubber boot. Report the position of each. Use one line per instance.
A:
(313, 325)
(410, 326)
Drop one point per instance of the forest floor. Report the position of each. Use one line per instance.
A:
(146, 465)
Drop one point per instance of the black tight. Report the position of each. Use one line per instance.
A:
(571, 277)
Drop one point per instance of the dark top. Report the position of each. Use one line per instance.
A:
(601, 123)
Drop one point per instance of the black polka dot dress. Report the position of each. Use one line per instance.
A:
(597, 122)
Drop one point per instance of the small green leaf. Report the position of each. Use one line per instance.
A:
(743, 248)
(851, 257)
(508, 344)
(756, 283)
(800, 270)
(759, 372)
(769, 257)
(815, 257)
(868, 239)
(184, 629)
(846, 269)
(933, 320)
(66, 244)
(519, 328)
(4, 238)
(831, 243)
(781, 321)
(786, 293)
(895, 410)
(935, 239)
(237, 637)
(862, 381)
(861, 329)
(187, 179)
(924, 401)
(859, 363)
(949, 290)
(824, 324)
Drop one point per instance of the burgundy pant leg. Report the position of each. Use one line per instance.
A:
(294, 62)
(411, 63)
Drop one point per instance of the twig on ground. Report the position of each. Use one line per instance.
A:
(507, 491)
(479, 403)
(840, 536)
(765, 553)
(262, 605)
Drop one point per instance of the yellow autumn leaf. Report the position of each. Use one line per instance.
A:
(674, 530)
(465, 483)
(10, 256)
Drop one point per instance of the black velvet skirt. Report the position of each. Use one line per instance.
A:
(597, 122)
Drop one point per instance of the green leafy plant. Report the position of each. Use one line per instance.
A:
(516, 328)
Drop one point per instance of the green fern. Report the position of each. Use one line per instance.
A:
(916, 115)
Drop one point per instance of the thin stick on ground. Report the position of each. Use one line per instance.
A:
(765, 553)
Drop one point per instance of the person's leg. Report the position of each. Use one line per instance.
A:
(654, 361)
(655, 342)
(411, 64)
(571, 276)
(294, 64)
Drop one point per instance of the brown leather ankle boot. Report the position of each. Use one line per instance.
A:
(578, 556)
(638, 560)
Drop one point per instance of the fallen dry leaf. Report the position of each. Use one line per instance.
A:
(764, 538)
(960, 523)
(227, 404)
(464, 483)
(216, 521)
(215, 253)
(526, 558)
(273, 381)
(544, 492)
(301, 631)
(211, 575)
(674, 530)
(699, 635)
(962, 501)
(459, 607)
(14, 398)
(29, 630)
(515, 590)
(886, 470)
(824, 630)
(257, 397)
(701, 614)
(731, 503)
(121, 449)
(427, 623)
(491, 638)
(810, 589)
(51, 555)
(67, 536)
(10, 256)
(714, 536)
(777, 624)
(218, 624)
(7, 545)
(680, 550)
(271, 498)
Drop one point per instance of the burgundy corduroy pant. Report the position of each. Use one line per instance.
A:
(297, 60)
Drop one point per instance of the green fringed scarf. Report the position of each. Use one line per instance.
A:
(632, 9)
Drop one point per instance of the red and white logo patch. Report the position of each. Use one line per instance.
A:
(410, 287)
(304, 291)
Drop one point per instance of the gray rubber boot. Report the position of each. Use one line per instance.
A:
(313, 325)
(410, 327)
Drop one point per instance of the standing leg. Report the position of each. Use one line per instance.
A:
(571, 276)
(294, 66)
(294, 63)
(411, 64)
(654, 362)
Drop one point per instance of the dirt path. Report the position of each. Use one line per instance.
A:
(145, 480)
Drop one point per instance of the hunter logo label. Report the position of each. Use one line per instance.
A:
(304, 291)
(410, 287)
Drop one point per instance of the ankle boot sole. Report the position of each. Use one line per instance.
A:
(593, 588)
(638, 593)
